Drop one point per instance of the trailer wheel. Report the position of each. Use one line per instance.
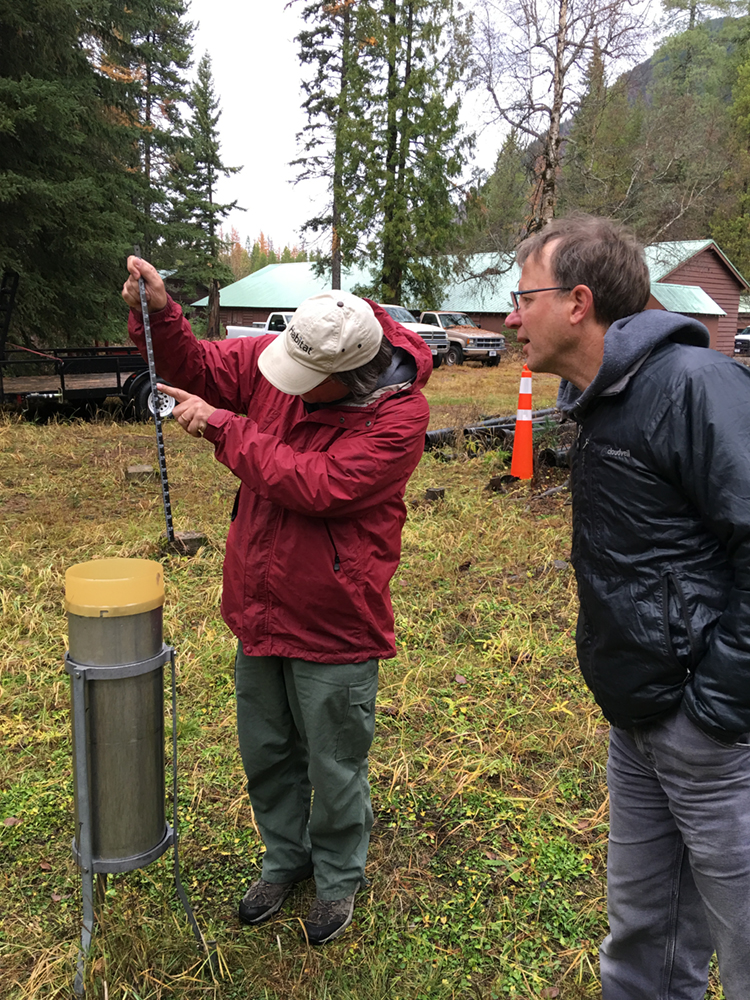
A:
(142, 398)
(454, 355)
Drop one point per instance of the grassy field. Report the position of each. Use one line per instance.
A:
(487, 858)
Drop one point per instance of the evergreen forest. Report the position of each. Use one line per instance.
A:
(109, 139)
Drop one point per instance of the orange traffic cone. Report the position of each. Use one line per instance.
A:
(522, 463)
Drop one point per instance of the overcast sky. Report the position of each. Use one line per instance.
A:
(257, 77)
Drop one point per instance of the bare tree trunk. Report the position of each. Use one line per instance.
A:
(214, 324)
(147, 208)
(403, 129)
(338, 156)
(551, 164)
(391, 273)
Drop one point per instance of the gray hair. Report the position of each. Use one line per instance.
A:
(363, 380)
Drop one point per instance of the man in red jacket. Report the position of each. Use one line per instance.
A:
(323, 426)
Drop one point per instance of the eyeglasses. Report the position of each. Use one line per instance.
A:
(516, 296)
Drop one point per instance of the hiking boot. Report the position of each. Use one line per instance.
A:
(328, 918)
(263, 899)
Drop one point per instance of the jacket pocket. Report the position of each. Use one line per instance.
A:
(676, 624)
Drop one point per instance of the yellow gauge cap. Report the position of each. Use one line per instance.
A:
(114, 588)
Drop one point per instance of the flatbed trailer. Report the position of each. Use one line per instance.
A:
(38, 381)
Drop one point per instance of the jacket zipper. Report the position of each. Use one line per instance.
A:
(336, 563)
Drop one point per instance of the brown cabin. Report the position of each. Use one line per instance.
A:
(701, 263)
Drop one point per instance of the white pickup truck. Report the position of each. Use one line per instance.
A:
(276, 323)
(434, 337)
(466, 339)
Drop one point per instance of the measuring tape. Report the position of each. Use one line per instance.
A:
(155, 405)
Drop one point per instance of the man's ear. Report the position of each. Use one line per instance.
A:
(582, 304)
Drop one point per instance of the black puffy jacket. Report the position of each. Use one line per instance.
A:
(661, 527)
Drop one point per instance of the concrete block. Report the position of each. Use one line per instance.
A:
(140, 473)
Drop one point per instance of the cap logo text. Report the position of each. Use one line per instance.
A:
(305, 348)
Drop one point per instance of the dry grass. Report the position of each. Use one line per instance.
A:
(487, 856)
(460, 395)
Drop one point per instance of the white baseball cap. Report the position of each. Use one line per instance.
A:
(331, 332)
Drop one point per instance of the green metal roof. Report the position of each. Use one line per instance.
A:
(281, 286)
(685, 299)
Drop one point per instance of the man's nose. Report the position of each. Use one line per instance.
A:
(513, 320)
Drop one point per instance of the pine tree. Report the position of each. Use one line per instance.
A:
(255, 258)
(205, 150)
(383, 128)
(156, 49)
(336, 104)
(424, 150)
(193, 243)
(496, 210)
(603, 146)
(66, 195)
(730, 225)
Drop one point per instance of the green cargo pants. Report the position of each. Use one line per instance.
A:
(302, 727)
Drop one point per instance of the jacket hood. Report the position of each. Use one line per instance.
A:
(409, 342)
(626, 343)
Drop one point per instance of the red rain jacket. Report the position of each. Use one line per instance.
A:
(317, 533)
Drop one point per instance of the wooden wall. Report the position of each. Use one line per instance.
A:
(490, 322)
(246, 317)
(709, 272)
(710, 322)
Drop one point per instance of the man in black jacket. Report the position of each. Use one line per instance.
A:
(661, 548)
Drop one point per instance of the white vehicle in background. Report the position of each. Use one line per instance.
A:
(435, 339)
(742, 341)
(277, 322)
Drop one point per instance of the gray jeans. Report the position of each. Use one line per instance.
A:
(678, 869)
(305, 726)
